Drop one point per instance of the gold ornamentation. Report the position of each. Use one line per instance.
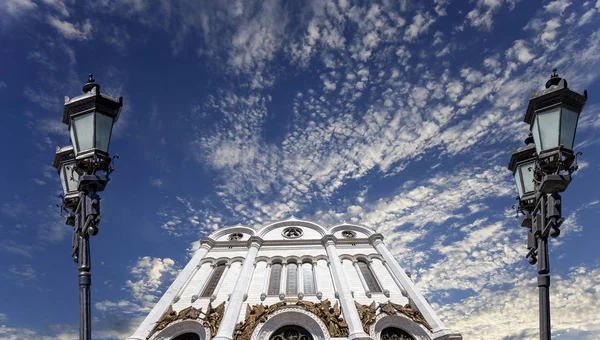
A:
(391, 308)
(367, 314)
(331, 317)
(190, 313)
(213, 318)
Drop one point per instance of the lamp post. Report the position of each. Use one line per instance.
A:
(84, 169)
(542, 169)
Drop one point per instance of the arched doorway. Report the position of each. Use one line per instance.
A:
(188, 336)
(393, 333)
(291, 333)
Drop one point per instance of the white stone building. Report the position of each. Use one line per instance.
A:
(296, 280)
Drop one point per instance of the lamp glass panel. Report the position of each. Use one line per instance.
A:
(63, 178)
(549, 124)
(527, 176)
(535, 131)
(518, 182)
(72, 177)
(104, 125)
(568, 126)
(84, 131)
(73, 141)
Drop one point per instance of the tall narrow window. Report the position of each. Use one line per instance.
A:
(213, 281)
(292, 279)
(275, 280)
(370, 279)
(309, 280)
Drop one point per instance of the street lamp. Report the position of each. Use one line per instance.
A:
(84, 169)
(542, 169)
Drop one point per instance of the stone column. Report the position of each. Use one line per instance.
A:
(316, 279)
(236, 300)
(300, 276)
(265, 292)
(440, 331)
(355, 328)
(362, 279)
(282, 283)
(167, 299)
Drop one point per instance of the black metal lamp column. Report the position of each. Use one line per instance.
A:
(542, 169)
(84, 169)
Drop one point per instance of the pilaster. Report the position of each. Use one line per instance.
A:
(237, 297)
(440, 331)
(351, 316)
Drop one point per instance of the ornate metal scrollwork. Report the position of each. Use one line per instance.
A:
(291, 333)
(392, 333)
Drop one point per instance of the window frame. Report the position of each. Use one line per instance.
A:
(212, 280)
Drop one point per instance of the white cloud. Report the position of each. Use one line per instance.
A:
(520, 51)
(71, 31)
(571, 302)
(58, 5)
(587, 16)
(2, 85)
(557, 6)
(420, 24)
(149, 274)
(10, 246)
(17, 7)
(156, 182)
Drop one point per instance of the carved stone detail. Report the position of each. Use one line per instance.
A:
(367, 314)
(170, 316)
(213, 317)
(330, 316)
(391, 308)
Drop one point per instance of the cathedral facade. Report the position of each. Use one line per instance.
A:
(293, 280)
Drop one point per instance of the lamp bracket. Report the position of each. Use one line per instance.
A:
(111, 167)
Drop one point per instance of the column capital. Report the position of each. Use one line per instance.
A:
(207, 243)
(255, 241)
(328, 240)
(376, 239)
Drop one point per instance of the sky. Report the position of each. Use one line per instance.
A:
(399, 115)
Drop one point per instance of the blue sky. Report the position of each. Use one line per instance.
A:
(398, 115)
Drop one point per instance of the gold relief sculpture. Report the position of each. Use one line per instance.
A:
(170, 316)
(213, 318)
(391, 308)
(367, 314)
(331, 317)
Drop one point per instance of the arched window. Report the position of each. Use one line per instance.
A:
(369, 277)
(188, 336)
(292, 279)
(291, 333)
(309, 280)
(275, 279)
(213, 281)
(392, 333)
